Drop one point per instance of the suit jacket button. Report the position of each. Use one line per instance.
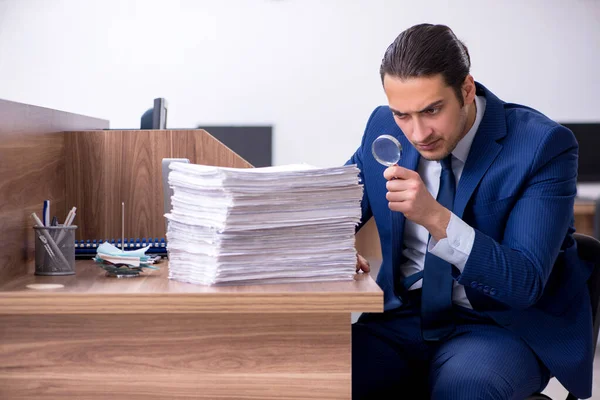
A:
(480, 287)
(474, 285)
(493, 291)
(486, 289)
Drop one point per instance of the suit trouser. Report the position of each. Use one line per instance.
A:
(479, 360)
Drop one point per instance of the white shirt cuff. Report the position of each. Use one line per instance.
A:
(456, 247)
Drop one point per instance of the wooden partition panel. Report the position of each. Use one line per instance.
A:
(110, 167)
(32, 169)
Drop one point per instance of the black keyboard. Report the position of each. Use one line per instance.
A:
(87, 248)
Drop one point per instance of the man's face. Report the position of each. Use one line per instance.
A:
(428, 112)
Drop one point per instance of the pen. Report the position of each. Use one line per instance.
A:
(70, 216)
(123, 224)
(46, 214)
(54, 221)
(68, 222)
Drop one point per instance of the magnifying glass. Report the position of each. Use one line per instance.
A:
(387, 150)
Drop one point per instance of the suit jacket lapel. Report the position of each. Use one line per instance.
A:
(484, 149)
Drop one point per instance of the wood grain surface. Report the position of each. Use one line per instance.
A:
(153, 338)
(141, 185)
(111, 167)
(89, 291)
(32, 169)
(204, 356)
(96, 170)
(585, 212)
(204, 148)
(367, 241)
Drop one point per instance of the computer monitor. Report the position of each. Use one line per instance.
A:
(588, 137)
(156, 117)
(252, 143)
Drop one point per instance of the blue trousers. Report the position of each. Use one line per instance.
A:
(479, 360)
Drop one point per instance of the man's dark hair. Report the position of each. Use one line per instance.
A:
(426, 50)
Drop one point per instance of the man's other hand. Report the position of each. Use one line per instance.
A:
(362, 264)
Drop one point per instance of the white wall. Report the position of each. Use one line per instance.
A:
(309, 67)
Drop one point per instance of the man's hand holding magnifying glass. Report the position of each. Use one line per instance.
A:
(408, 194)
(406, 191)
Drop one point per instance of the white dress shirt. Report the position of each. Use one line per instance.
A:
(456, 247)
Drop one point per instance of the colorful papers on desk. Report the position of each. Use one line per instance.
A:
(114, 260)
(293, 223)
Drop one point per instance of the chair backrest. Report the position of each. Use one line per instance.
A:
(589, 250)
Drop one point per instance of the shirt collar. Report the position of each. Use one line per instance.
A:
(461, 151)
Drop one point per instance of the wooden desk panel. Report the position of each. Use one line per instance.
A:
(199, 356)
(152, 338)
(89, 291)
(32, 169)
(110, 167)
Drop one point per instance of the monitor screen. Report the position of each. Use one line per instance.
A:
(252, 143)
(588, 137)
(156, 117)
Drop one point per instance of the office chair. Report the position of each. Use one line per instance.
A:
(589, 250)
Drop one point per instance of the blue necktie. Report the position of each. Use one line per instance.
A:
(436, 297)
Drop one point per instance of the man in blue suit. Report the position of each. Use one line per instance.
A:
(485, 297)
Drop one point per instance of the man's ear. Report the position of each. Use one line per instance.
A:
(468, 89)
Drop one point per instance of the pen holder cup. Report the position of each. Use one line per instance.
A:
(55, 250)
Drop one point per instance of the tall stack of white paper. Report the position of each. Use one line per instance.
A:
(293, 223)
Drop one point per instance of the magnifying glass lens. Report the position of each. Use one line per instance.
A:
(387, 150)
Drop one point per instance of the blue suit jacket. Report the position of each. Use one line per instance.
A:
(517, 191)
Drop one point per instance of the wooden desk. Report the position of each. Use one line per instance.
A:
(153, 338)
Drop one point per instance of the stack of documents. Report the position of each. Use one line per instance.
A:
(293, 223)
